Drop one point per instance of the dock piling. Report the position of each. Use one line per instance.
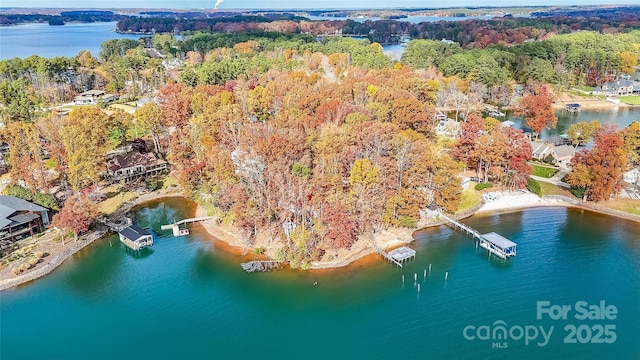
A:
(446, 276)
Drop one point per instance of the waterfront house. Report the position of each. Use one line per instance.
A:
(93, 97)
(563, 154)
(20, 218)
(133, 166)
(620, 87)
(540, 150)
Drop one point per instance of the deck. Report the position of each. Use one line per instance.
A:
(260, 265)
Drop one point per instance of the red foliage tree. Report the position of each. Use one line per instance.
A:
(76, 215)
(465, 146)
(537, 110)
(602, 167)
(342, 228)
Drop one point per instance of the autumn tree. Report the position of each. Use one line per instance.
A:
(26, 155)
(84, 137)
(148, 119)
(581, 132)
(598, 172)
(342, 230)
(77, 214)
(537, 110)
(631, 139)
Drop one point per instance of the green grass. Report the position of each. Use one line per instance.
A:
(550, 189)
(469, 199)
(544, 172)
(122, 107)
(584, 88)
(109, 206)
(630, 100)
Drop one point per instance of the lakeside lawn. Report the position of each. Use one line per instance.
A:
(543, 171)
(550, 189)
(630, 206)
(110, 205)
(630, 100)
(469, 199)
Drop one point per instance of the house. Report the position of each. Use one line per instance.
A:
(449, 128)
(563, 154)
(133, 166)
(92, 97)
(620, 87)
(20, 218)
(540, 150)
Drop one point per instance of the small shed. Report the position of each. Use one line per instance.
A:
(135, 237)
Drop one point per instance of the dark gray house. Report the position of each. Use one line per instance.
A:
(20, 218)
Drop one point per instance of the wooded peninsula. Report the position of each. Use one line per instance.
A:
(313, 140)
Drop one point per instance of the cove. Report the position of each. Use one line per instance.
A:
(188, 297)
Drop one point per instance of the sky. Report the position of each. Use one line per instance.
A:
(295, 4)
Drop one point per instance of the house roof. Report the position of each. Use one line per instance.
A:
(619, 83)
(11, 204)
(537, 148)
(134, 232)
(92, 93)
(564, 150)
(132, 159)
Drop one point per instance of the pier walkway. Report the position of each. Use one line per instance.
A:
(494, 243)
(176, 226)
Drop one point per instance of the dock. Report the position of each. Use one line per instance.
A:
(572, 108)
(494, 112)
(397, 256)
(492, 242)
(260, 265)
(135, 238)
(175, 227)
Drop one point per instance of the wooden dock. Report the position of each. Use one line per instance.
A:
(260, 265)
(494, 243)
(175, 227)
(397, 256)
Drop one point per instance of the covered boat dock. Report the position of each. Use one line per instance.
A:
(497, 244)
(135, 237)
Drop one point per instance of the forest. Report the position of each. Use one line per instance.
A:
(308, 143)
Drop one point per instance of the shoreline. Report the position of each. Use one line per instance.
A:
(360, 253)
(52, 261)
(507, 202)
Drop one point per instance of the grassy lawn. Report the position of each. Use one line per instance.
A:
(550, 189)
(630, 100)
(122, 107)
(630, 206)
(109, 206)
(470, 198)
(584, 88)
(543, 171)
(71, 107)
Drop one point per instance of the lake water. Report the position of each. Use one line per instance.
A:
(188, 298)
(50, 41)
(619, 116)
(411, 19)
